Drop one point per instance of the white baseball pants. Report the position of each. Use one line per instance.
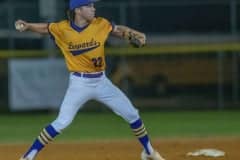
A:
(82, 89)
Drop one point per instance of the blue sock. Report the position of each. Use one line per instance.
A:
(141, 133)
(44, 138)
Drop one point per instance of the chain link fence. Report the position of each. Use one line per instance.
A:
(195, 62)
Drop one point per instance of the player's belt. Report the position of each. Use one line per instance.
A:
(88, 75)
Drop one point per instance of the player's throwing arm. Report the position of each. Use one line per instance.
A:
(41, 28)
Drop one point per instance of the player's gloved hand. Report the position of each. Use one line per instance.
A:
(135, 38)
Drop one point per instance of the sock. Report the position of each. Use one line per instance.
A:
(44, 138)
(141, 133)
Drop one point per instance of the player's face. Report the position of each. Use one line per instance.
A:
(87, 12)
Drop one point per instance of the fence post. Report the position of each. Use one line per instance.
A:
(235, 83)
(123, 13)
(220, 90)
(10, 15)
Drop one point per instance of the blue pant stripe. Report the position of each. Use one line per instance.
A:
(51, 131)
(36, 145)
(144, 140)
(136, 124)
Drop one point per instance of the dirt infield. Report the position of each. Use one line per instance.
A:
(171, 149)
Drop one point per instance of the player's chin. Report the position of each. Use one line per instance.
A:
(90, 18)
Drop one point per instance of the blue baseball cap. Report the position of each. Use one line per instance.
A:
(77, 3)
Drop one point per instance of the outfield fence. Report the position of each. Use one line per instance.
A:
(191, 58)
(168, 76)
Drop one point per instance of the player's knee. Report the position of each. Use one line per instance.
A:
(132, 116)
(61, 123)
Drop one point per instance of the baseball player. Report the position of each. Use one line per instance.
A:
(81, 39)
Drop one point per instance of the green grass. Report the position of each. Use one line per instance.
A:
(22, 128)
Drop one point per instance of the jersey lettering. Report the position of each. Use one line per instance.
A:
(83, 50)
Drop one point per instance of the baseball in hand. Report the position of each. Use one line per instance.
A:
(19, 26)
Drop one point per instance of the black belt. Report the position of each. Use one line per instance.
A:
(88, 75)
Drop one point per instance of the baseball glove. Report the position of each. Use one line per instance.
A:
(135, 38)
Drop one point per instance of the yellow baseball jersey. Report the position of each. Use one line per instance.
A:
(83, 48)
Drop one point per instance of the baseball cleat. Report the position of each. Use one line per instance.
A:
(24, 158)
(154, 156)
